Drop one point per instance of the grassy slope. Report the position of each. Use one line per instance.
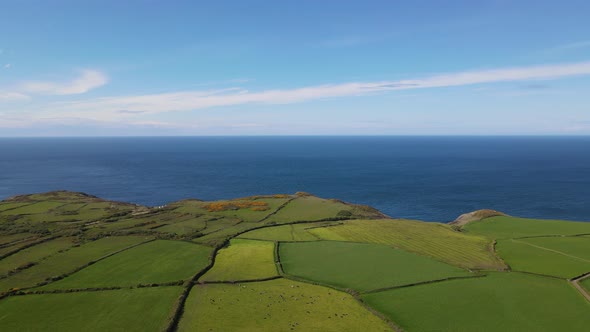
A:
(521, 256)
(578, 246)
(430, 239)
(586, 284)
(154, 262)
(146, 309)
(361, 266)
(34, 254)
(243, 260)
(68, 261)
(498, 302)
(308, 208)
(511, 227)
(277, 305)
(296, 232)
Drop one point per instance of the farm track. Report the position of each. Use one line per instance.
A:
(576, 283)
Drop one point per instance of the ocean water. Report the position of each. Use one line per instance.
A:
(426, 178)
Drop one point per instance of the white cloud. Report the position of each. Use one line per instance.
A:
(88, 80)
(12, 96)
(131, 106)
(7, 66)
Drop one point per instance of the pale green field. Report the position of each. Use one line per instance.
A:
(158, 261)
(295, 232)
(276, 305)
(434, 240)
(243, 260)
(499, 302)
(145, 309)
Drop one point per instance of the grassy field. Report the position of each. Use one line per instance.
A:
(276, 305)
(511, 227)
(361, 266)
(308, 208)
(34, 254)
(578, 246)
(145, 309)
(68, 261)
(295, 232)
(522, 256)
(434, 240)
(498, 302)
(153, 262)
(243, 260)
(39, 207)
(186, 227)
(586, 284)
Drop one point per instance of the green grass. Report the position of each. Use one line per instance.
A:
(586, 284)
(7, 206)
(434, 240)
(276, 305)
(243, 260)
(578, 246)
(39, 207)
(145, 309)
(68, 261)
(498, 302)
(308, 208)
(511, 227)
(9, 238)
(294, 232)
(185, 227)
(18, 245)
(34, 254)
(153, 262)
(522, 256)
(361, 266)
(253, 216)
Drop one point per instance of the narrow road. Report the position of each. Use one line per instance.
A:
(576, 283)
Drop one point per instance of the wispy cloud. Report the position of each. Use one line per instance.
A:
(88, 80)
(137, 107)
(7, 66)
(201, 99)
(6, 96)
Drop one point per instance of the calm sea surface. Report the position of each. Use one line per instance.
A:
(427, 178)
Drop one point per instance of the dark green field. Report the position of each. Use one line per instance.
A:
(72, 262)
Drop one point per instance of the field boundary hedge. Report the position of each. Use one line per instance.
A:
(42, 240)
(422, 283)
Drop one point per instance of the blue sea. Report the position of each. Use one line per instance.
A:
(426, 178)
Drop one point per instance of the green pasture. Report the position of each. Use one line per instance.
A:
(577, 246)
(34, 254)
(308, 208)
(501, 302)
(511, 227)
(243, 260)
(69, 261)
(361, 266)
(158, 261)
(293, 232)
(434, 240)
(144, 309)
(276, 305)
(524, 256)
(39, 207)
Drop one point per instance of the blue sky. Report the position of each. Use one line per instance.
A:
(117, 68)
